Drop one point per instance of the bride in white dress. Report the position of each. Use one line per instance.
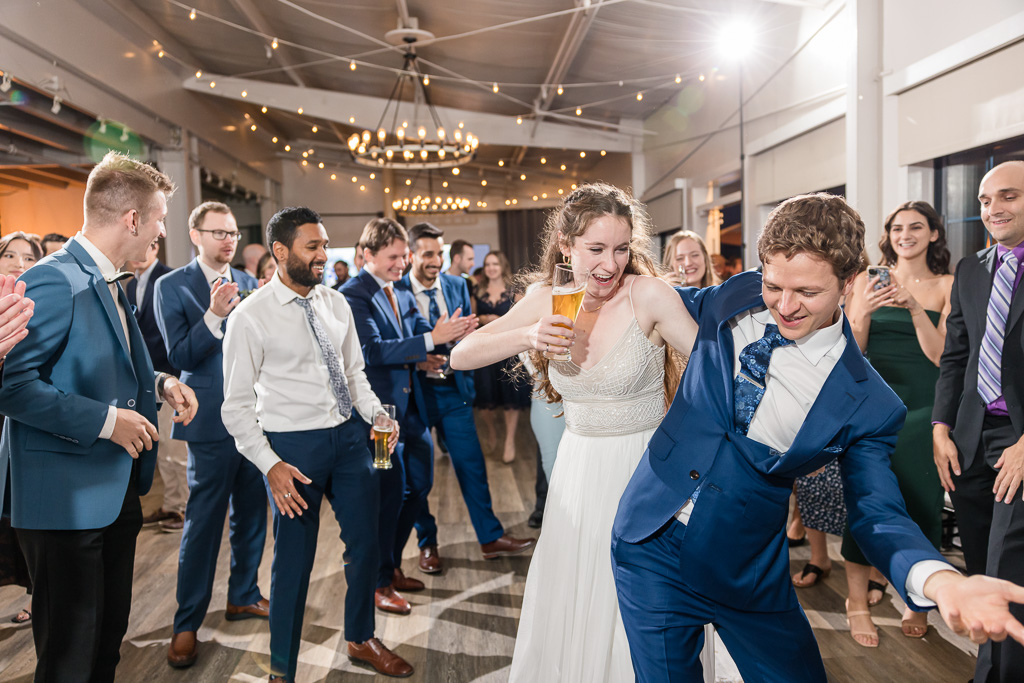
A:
(613, 394)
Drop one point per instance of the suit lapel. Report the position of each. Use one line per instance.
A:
(380, 300)
(102, 290)
(197, 283)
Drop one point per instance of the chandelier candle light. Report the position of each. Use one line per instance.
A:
(413, 146)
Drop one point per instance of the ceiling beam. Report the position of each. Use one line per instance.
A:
(493, 129)
(31, 177)
(4, 182)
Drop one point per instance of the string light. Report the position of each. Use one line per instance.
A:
(519, 120)
(373, 176)
(315, 129)
(213, 84)
(192, 14)
(321, 164)
(426, 80)
(362, 188)
(199, 73)
(701, 78)
(603, 152)
(334, 176)
(160, 54)
(387, 190)
(287, 148)
(562, 167)
(300, 110)
(639, 96)
(494, 87)
(543, 160)
(679, 79)
(352, 65)
(355, 179)
(408, 181)
(522, 176)
(483, 183)
(578, 111)
(455, 171)
(264, 110)
(560, 91)
(245, 93)
(351, 119)
(305, 163)
(583, 155)
(274, 139)
(444, 184)
(501, 162)
(273, 43)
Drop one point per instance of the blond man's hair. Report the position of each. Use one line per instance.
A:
(818, 224)
(119, 184)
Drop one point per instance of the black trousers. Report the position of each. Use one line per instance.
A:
(82, 595)
(992, 535)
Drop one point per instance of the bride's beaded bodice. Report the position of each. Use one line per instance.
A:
(622, 394)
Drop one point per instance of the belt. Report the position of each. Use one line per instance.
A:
(446, 381)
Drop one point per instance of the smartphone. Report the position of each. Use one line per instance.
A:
(882, 273)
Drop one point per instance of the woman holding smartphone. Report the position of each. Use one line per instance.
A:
(901, 327)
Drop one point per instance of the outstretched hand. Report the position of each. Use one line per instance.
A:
(15, 311)
(977, 606)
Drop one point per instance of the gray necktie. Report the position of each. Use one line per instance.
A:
(338, 385)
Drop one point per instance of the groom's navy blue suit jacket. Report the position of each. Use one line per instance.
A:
(734, 549)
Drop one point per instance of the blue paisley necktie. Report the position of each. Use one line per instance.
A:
(433, 310)
(748, 386)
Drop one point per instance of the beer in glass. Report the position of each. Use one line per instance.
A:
(383, 428)
(567, 290)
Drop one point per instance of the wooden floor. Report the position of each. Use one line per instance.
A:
(462, 627)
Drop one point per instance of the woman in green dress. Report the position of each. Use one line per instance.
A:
(902, 330)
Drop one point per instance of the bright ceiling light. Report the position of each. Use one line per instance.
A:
(736, 40)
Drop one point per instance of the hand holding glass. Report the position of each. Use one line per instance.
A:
(568, 286)
(383, 428)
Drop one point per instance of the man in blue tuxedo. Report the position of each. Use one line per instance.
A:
(448, 405)
(172, 461)
(192, 305)
(775, 388)
(396, 340)
(81, 398)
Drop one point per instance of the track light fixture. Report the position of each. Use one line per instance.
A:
(5, 83)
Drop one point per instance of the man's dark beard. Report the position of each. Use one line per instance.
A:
(299, 272)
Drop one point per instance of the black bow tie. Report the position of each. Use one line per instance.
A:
(118, 276)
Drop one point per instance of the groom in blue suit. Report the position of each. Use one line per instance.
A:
(775, 388)
(81, 399)
(192, 306)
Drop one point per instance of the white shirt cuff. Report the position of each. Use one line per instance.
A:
(919, 575)
(213, 322)
(430, 342)
(108, 424)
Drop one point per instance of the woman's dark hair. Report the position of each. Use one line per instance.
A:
(938, 251)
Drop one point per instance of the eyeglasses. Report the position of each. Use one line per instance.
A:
(222, 234)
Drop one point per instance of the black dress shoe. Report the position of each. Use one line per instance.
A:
(536, 517)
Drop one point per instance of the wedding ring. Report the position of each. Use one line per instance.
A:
(287, 495)
(547, 348)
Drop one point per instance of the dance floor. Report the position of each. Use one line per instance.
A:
(463, 627)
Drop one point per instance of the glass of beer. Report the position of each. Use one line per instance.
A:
(383, 428)
(567, 289)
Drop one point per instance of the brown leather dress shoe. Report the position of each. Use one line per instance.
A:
(385, 661)
(430, 560)
(257, 610)
(401, 582)
(157, 517)
(173, 524)
(183, 650)
(506, 545)
(388, 600)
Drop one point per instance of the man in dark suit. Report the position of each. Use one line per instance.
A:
(448, 404)
(775, 388)
(395, 340)
(80, 396)
(978, 417)
(192, 305)
(172, 461)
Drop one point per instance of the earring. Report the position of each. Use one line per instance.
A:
(566, 259)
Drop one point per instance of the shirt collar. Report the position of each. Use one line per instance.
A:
(145, 273)
(815, 345)
(1018, 251)
(282, 292)
(383, 284)
(107, 268)
(210, 274)
(418, 286)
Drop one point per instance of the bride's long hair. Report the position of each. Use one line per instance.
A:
(572, 218)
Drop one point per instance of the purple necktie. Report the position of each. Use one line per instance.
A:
(990, 366)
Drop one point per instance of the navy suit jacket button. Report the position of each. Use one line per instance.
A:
(694, 474)
(131, 403)
(405, 390)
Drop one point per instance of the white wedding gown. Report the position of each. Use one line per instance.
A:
(570, 630)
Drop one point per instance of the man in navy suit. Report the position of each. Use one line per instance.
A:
(448, 405)
(396, 340)
(80, 395)
(775, 388)
(172, 461)
(192, 306)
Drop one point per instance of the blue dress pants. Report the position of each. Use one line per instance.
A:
(454, 418)
(341, 468)
(403, 490)
(221, 482)
(665, 620)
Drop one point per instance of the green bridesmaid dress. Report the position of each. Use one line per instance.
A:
(895, 353)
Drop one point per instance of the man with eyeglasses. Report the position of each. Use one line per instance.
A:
(192, 306)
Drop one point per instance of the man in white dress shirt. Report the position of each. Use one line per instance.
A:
(294, 390)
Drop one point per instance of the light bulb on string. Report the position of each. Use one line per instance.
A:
(560, 90)
(273, 44)
(494, 87)
(192, 14)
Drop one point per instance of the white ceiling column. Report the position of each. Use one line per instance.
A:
(864, 104)
(180, 164)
